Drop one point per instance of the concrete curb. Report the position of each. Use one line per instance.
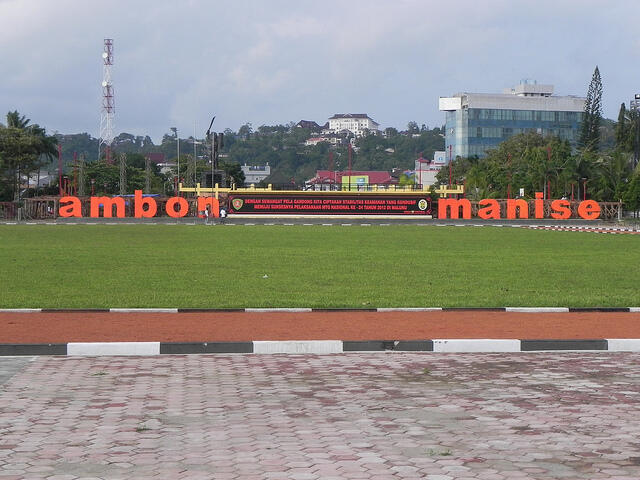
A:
(591, 229)
(321, 347)
(309, 310)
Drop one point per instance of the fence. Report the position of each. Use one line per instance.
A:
(46, 208)
(8, 211)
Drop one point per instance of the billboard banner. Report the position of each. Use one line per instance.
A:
(331, 204)
(354, 182)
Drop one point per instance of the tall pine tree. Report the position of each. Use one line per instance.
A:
(592, 115)
(621, 128)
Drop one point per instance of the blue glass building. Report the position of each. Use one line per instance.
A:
(477, 122)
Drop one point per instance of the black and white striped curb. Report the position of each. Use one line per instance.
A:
(319, 347)
(309, 310)
(569, 228)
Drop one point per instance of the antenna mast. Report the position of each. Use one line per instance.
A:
(108, 104)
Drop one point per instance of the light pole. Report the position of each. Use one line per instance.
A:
(212, 139)
(195, 155)
(635, 104)
(175, 130)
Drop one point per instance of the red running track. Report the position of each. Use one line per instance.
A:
(20, 328)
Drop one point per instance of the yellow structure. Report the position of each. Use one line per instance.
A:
(378, 190)
(445, 190)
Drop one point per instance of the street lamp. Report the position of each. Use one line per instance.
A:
(195, 157)
(635, 104)
(175, 130)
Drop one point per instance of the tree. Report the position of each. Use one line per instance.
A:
(14, 120)
(632, 194)
(245, 130)
(592, 115)
(412, 128)
(233, 173)
(24, 148)
(622, 128)
(527, 160)
(613, 171)
(405, 180)
(103, 178)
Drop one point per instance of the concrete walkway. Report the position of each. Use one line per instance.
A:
(378, 416)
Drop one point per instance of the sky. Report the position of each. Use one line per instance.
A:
(176, 64)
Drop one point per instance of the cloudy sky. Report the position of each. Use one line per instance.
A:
(271, 62)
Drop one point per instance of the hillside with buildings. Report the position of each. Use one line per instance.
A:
(278, 154)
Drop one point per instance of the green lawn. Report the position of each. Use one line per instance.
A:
(186, 266)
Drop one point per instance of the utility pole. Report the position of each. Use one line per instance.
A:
(349, 165)
(81, 189)
(175, 131)
(147, 174)
(123, 174)
(75, 173)
(212, 140)
(60, 192)
(635, 107)
(195, 155)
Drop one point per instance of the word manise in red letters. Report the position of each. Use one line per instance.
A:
(516, 208)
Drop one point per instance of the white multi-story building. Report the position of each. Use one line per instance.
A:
(356, 123)
(426, 170)
(255, 173)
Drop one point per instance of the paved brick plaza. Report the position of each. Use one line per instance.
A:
(369, 416)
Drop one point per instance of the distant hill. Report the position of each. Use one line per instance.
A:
(282, 147)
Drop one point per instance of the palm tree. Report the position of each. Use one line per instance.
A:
(14, 120)
(584, 169)
(614, 169)
(24, 147)
(46, 143)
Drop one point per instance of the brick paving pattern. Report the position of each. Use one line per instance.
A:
(10, 366)
(303, 417)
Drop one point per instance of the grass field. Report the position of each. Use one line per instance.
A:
(102, 266)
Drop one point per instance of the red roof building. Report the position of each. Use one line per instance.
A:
(358, 177)
(155, 157)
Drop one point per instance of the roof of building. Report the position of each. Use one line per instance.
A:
(155, 157)
(338, 116)
(520, 97)
(310, 124)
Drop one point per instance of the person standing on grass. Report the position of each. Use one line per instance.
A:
(206, 215)
(223, 215)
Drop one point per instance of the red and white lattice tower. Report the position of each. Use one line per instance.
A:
(108, 104)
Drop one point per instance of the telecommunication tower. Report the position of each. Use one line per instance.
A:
(108, 104)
